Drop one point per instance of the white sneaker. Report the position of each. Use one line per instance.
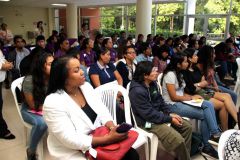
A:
(236, 127)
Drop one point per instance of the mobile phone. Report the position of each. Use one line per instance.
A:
(124, 127)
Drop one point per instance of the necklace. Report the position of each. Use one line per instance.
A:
(71, 93)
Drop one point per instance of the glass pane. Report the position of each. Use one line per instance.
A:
(169, 25)
(234, 25)
(212, 7)
(198, 26)
(110, 25)
(114, 10)
(132, 10)
(216, 28)
(132, 26)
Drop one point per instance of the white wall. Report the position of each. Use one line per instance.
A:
(23, 19)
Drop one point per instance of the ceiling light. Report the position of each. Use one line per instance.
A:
(61, 5)
(4, 0)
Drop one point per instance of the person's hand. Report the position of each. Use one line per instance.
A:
(7, 66)
(114, 136)
(179, 118)
(187, 98)
(197, 97)
(203, 84)
(176, 122)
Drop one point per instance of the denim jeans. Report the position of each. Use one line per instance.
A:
(206, 114)
(38, 126)
(229, 91)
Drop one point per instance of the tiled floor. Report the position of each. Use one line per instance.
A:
(16, 149)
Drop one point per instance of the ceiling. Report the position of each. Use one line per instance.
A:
(80, 3)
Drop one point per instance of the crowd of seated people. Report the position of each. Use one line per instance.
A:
(188, 67)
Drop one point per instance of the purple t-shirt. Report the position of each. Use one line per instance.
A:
(59, 53)
(88, 58)
(113, 55)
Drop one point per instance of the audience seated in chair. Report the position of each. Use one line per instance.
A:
(152, 113)
(126, 66)
(103, 71)
(173, 86)
(72, 110)
(34, 90)
(222, 101)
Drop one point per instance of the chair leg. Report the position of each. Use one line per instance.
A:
(25, 135)
(40, 150)
(154, 148)
(146, 147)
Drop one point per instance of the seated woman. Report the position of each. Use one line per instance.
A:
(34, 89)
(173, 93)
(126, 67)
(145, 53)
(149, 108)
(62, 48)
(161, 57)
(72, 110)
(103, 71)
(222, 101)
(87, 55)
(107, 43)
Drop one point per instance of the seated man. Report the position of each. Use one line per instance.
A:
(152, 113)
(17, 55)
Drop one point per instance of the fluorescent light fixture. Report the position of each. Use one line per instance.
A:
(4, 0)
(59, 4)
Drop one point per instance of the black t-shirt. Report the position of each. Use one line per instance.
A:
(89, 112)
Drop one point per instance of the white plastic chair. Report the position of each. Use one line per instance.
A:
(159, 82)
(224, 137)
(27, 127)
(108, 93)
(237, 85)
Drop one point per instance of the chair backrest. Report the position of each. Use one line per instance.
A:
(238, 71)
(159, 82)
(108, 93)
(222, 141)
(18, 84)
(130, 109)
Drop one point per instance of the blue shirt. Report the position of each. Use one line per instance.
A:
(105, 73)
(141, 57)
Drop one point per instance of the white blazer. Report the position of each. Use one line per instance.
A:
(69, 126)
(2, 72)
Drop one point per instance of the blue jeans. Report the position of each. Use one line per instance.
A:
(38, 126)
(206, 114)
(229, 91)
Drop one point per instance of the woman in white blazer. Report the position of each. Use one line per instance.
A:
(4, 66)
(72, 110)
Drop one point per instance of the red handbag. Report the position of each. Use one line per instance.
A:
(114, 151)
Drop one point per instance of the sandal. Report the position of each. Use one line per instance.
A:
(8, 136)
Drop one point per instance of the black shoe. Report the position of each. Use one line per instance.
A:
(8, 136)
(214, 139)
(31, 155)
(210, 151)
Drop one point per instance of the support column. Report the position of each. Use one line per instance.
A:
(50, 21)
(188, 24)
(72, 27)
(143, 17)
